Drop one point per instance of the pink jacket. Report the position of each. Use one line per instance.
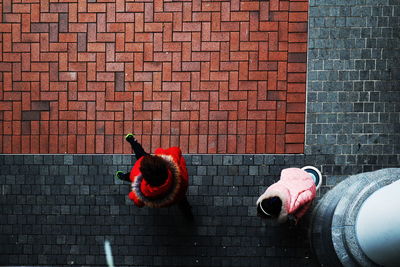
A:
(296, 189)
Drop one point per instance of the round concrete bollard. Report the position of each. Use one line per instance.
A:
(333, 233)
(378, 226)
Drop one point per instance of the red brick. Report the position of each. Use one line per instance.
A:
(278, 56)
(297, 77)
(180, 76)
(298, 37)
(249, 6)
(279, 16)
(225, 11)
(296, 87)
(220, 36)
(143, 76)
(67, 76)
(252, 100)
(284, 5)
(210, 46)
(247, 85)
(219, 76)
(120, 61)
(182, 37)
(295, 107)
(239, 56)
(295, 128)
(298, 17)
(296, 97)
(229, 66)
(297, 47)
(258, 75)
(295, 117)
(298, 27)
(283, 35)
(258, 36)
(256, 115)
(134, 7)
(212, 142)
(298, 6)
(177, 25)
(224, 51)
(153, 27)
(115, 67)
(294, 148)
(196, 41)
(254, 21)
(125, 17)
(297, 67)
(264, 11)
(240, 16)
(163, 56)
(294, 138)
(148, 12)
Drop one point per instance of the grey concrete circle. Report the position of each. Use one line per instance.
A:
(332, 229)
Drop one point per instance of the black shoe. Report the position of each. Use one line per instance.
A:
(119, 175)
(130, 137)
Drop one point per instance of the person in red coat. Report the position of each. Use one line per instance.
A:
(158, 180)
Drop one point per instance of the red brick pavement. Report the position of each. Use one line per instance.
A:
(209, 76)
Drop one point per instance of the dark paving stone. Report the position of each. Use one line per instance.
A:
(63, 217)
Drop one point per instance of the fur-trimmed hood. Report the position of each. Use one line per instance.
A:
(296, 189)
(160, 196)
(281, 192)
(173, 189)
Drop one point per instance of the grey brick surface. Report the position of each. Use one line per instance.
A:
(63, 217)
(353, 81)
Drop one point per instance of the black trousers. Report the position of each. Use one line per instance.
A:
(185, 208)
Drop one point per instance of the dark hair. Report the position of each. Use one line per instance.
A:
(272, 206)
(154, 170)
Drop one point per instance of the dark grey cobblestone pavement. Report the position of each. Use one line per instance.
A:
(58, 210)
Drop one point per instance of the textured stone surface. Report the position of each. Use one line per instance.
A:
(333, 220)
(58, 210)
(320, 225)
(353, 97)
(371, 182)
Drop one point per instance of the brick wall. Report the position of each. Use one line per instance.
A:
(209, 76)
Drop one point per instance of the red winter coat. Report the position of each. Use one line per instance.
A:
(169, 193)
(296, 189)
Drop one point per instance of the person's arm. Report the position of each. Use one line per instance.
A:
(301, 211)
(135, 199)
(303, 203)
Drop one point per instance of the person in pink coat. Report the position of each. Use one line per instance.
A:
(289, 198)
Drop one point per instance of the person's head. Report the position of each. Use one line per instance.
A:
(154, 170)
(270, 206)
